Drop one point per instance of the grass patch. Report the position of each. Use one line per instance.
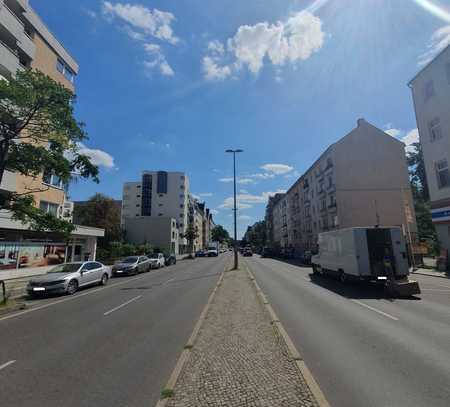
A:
(167, 393)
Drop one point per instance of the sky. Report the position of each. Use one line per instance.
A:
(170, 85)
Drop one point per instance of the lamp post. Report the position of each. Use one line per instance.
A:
(236, 264)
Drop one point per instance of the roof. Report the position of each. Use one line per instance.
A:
(428, 64)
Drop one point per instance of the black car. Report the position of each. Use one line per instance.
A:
(170, 259)
(200, 253)
(267, 252)
(248, 253)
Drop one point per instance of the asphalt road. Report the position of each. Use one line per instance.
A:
(109, 346)
(362, 348)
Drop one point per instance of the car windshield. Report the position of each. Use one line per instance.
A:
(65, 268)
(132, 259)
(153, 256)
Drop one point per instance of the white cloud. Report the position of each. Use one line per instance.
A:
(143, 24)
(154, 22)
(289, 41)
(263, 175)
(407, 137)
(243, 181)
(226, 179)
(205, 194)
(439, 40)
(411, 137)
(212, 71)
(243, 191)
(90, 13)
(245, 217)
(214, 211)
(277, 169)
(98, 157)
(246, 201)
(393, 132)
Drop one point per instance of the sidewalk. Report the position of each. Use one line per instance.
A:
(432, 273)
(239, 359)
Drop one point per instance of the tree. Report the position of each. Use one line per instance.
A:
(219, 234)
(101, 211)
(190, 235)
(419, 187)
(256, 234)
(416, 164)
(38, 133)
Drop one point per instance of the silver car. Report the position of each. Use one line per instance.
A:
(68, 277)
(131, 265)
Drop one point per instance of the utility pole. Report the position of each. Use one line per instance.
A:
(236, 261)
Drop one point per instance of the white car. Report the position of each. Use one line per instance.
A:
(157, 260)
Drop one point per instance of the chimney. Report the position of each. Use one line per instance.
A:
(360, 122)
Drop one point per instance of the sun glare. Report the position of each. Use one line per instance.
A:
(436, 9)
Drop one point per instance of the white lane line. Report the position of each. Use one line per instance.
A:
(375, 310)
(72, 298)
(7, 364)
(122, 305)
(435, 289)
(168, 281)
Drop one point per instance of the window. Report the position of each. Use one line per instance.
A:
(146, 200)
(49, 207)
(52, 180)
(429, 90)
(68, 73)
(60, 66)
(435, 129)
(181, 206)
(160, 214)
(161, 182)
(443, 174)
(138, 206)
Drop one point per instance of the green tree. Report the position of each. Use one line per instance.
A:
(256, 234)
(38, 132)
(190, 235)
(219, 234)
(420, 192)
(101, 211)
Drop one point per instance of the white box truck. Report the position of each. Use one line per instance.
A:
(361, 253)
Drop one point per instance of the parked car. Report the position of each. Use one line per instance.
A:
(170, 258)
(212, 251)
(131, 265)
(248, 252)
(68, 277)
(157, 260)
(200, 253)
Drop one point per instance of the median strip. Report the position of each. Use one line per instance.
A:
(5, 365)
(122, 305)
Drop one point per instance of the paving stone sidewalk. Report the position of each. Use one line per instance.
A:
(239, 359)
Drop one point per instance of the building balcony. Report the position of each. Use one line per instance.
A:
(9, 59)
(321, 193)
(332, 208)
(17, 29)
(331, 188)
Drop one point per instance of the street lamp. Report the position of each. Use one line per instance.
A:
(235, 206)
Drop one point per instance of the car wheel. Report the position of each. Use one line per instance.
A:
(315, 271)
(72, 287)
(104, 279)
(342, 277)
(159, 265)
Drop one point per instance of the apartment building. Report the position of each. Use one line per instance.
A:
(431, 95)
(162, 194)
(26, 42)
(361, 180)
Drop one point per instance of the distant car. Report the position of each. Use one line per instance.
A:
(267, 252)
(248, 253)
(131, 265)
(68, 277)
(157, 260)
(212, 252)
(200, 253)
(170, 258)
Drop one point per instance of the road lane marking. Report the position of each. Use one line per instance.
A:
(168, 281)
(72, 297)
(375, 310)
(7, 364)
(435, 289)
(122, 305)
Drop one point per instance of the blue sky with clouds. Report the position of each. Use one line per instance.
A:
(171, 84)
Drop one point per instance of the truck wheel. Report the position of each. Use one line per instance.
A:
(315, 271)
(342, 277)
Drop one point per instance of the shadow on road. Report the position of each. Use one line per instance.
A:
(356, 290)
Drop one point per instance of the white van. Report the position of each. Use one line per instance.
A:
(360, 253)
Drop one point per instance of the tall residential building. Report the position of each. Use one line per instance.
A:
(26, 42)
(158, 194)
(361, 180)
(431, 94)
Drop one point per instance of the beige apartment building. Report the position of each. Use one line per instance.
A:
(361, 180)
(26, 42)
(431, 95)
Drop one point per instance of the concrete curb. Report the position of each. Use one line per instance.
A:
(295, 354)
(184, 357)
(430, 275)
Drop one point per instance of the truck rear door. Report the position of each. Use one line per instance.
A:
(379, 244)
